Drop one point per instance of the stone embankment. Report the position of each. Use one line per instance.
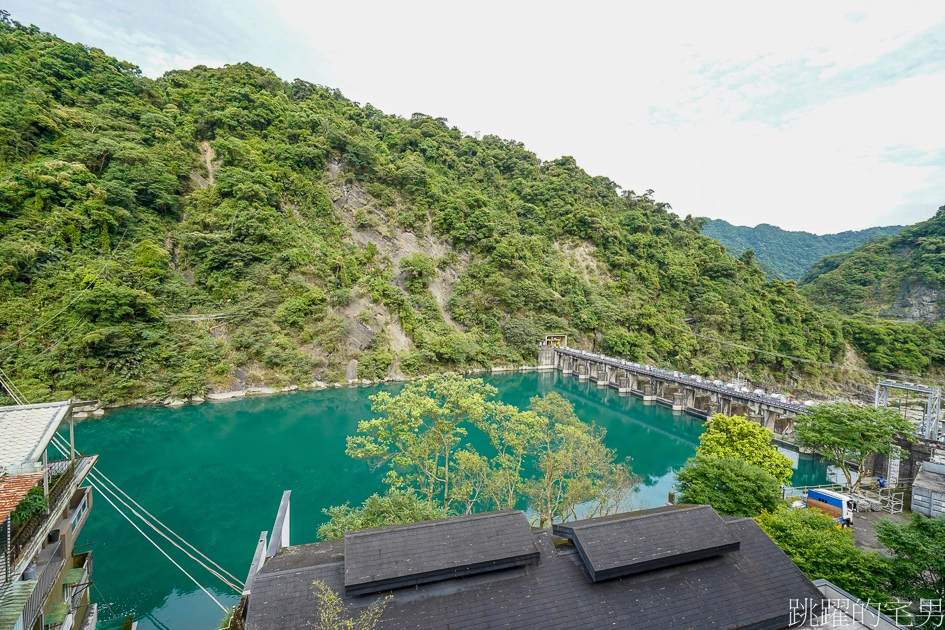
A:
(97, 408)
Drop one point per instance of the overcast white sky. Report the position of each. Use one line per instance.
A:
(821, 116)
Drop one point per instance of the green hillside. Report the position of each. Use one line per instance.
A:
(897, 277)
(218, 229)
(788, 255)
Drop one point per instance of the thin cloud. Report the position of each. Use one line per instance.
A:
(816, 116)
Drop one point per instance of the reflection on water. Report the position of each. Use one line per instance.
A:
(215, 473)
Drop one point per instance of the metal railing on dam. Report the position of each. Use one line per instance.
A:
(655, 373)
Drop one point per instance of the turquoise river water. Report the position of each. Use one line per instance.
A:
(215, 474)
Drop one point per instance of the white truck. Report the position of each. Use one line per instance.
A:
(838, 505)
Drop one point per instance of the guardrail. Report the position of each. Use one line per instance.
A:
(788, 492)
(682, 380)
(48, 575)
(64, 472)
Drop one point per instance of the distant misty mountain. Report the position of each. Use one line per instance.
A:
(784, 254)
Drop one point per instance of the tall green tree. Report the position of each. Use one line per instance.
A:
(572, 464)
(735, 436)
(419, 431)
(918, 552)
(545, 456)
(822, 551)
(729, 485)
(849, 435)
(496, 482)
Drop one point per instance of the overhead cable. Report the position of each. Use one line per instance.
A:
(74, 300)
(94, 476)
(798, 359)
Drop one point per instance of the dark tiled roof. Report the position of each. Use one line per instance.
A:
(746, 589)
(635, 542)
(418, 553)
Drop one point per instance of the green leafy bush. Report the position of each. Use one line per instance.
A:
(33, 503)
(729, 485)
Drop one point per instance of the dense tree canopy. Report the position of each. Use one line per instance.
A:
(735, 436)
(872, 277)
(848, 435)
(264, 210)
(730, 485)
(546, 457)
(822, 551)
(918, 551)
(786, 254)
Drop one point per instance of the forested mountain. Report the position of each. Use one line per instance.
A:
(218, 228)
(788, 255)
(897, 277)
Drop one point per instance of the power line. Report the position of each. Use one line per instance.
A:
(158, 547)
(798, 359)
(93, 476)
(96, 476)
(12, 389)
(111, 611)
(74, 300)
(216, 574)
(104, 478)
(105, 496)
(33, 358)
(60, 445)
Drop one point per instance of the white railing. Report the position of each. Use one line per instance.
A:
(79, 512)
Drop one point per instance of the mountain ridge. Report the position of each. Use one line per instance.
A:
(219, 229)
(900, 277)
(788, 253)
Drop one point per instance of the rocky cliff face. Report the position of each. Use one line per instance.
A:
(916, 303)
(895, 277)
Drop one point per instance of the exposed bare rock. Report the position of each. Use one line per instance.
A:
(210, 163)
(916, 303)
(351, 372)
(226, 395)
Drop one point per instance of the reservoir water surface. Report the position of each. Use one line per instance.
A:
(215, 474)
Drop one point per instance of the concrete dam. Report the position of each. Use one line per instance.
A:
(681, 392)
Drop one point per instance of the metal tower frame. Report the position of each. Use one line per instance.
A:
(929, 427)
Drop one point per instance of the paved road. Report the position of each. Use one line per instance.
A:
(864, 528)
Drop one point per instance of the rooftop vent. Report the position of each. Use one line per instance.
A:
(634, 542)
(418, 553)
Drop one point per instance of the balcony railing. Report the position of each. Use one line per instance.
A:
(90, 622)
(77, 513)
(63, 474)
(47, 573)
(77, 589)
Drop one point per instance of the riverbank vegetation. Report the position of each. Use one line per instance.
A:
(820, 549)
(736, 469)
(738, 472)
(729, 484)
(918, 559)
(738, 437)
